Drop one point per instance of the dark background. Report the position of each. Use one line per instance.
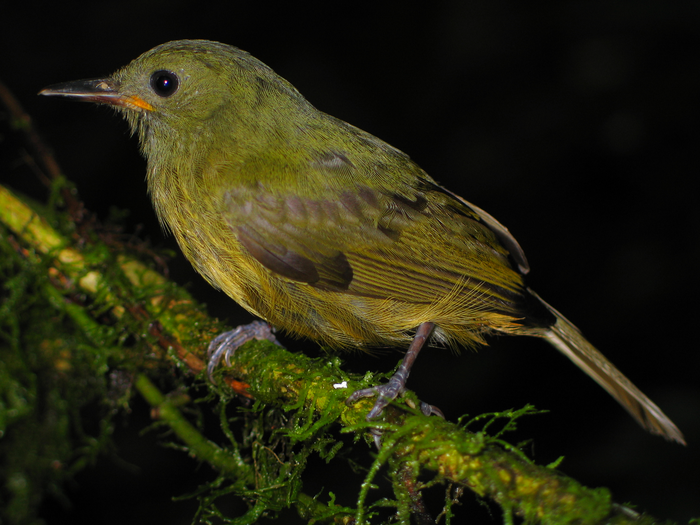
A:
(574, 123)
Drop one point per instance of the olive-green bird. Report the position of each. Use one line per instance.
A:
(322, 229)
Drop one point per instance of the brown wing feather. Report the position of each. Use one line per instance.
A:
(414, 248)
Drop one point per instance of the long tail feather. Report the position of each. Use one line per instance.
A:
(566, 338)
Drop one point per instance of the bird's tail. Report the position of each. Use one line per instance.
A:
(566, 338)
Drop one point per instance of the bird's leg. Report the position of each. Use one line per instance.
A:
(387, 392)
(225, 345)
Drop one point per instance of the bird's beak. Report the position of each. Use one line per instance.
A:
(98, 90)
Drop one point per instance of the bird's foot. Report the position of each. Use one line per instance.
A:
(387, 393)
(226, 344)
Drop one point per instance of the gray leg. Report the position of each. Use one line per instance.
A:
(387, 392)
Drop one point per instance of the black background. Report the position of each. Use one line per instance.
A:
(574, 123)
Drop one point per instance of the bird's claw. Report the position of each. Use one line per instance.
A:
(431, 410)
(386, 393)
(226, 344)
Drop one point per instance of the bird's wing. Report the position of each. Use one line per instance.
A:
(415, 243)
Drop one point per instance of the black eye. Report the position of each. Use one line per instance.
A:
(164, 83)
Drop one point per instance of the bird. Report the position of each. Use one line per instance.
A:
(322, 229)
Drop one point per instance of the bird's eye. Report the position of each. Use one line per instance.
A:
(164, 83)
